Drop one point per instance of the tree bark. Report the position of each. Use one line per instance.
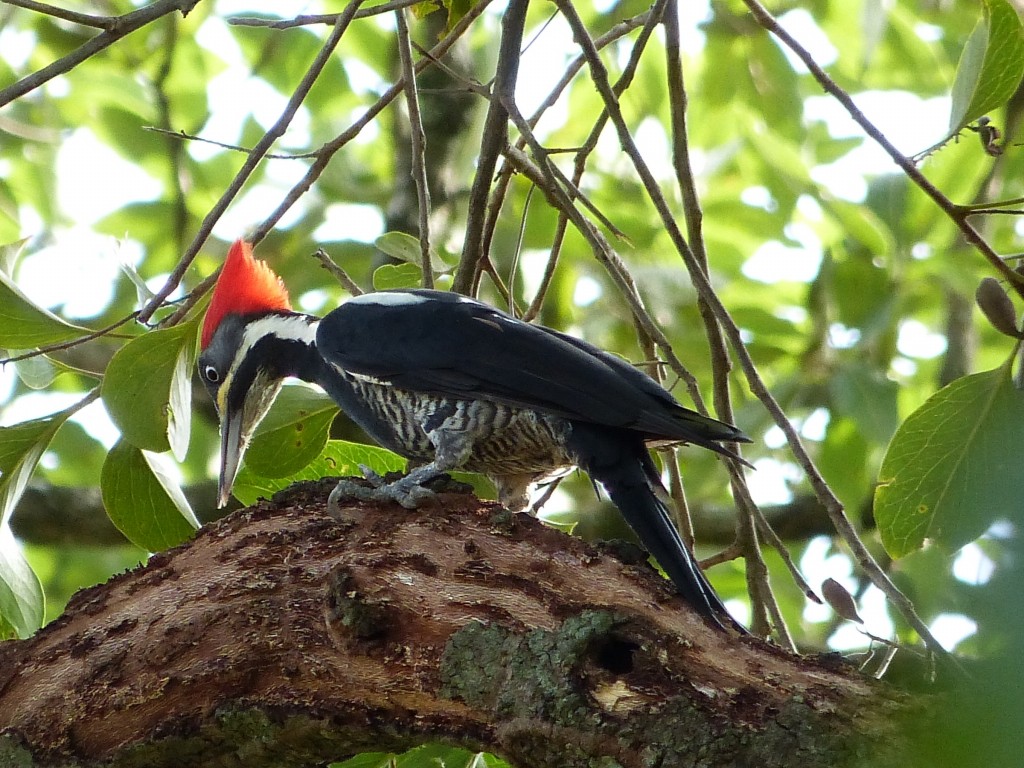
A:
(280, 636)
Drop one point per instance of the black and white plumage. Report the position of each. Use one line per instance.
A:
(451, 383)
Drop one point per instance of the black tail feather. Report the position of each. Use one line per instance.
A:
(621, 463)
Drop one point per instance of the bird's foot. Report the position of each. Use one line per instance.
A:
(407, 491)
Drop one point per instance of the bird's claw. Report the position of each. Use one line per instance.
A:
(407, 491)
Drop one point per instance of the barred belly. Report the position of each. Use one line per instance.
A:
(506, 440)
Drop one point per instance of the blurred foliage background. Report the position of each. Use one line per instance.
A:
(853, 290)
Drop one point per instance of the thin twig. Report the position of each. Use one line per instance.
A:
(337, 272)
(418, 148)
(727, 555)
(84, 19)
(104, 331)
(185, 136)
(253, 160)
(328, 19)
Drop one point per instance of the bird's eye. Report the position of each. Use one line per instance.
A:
(210, 374)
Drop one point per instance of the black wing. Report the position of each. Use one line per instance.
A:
(444, 343)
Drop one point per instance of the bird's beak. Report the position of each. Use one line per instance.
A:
(237, 426)
(232, 447)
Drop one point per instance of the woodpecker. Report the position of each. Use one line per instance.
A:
(453, 384)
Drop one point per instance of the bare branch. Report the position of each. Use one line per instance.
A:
(85, 19)
(307, 20)
(418, 146)
(337, 272)
(494, 140)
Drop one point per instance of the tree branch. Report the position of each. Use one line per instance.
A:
(280, 636)
(495, 137)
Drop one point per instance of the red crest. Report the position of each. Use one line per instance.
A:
(245, 286)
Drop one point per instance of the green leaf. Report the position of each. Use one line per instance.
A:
(23, 325)
(22, 605)
(10, 253)
(990, 67)
(868, 398)
(293, 433)
(147, 391)
(392, 276)
(21, 596)
(953, 467)
(142, 501)
(36, 372)
(406, 248)
(340, 458)
(21, 446)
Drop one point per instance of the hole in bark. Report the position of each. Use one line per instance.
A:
(616, 655)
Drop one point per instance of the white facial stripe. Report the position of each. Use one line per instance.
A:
(294, 327)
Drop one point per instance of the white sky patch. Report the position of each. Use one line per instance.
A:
(902, 366)
(157, 282)
(773, 262)
(8, 378)
(739, 610)
(17, 45)
(843, 337)
(87, 266)
(94, 181)
(235, 95)
(363, 78)
(253, 207)
(843, 178)
(532, 262)
(930, 33)
(311, 301)
(774, 437)
(758, 197)
(350, 221)
(952, 628)
(1001, 529)
(801, 25)
(653, 144)
(36, 405)
(586, 291)
(908, 121)
(973, 566)
(770, 484)
(917, 340)
(814, 425)
(541, 66)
